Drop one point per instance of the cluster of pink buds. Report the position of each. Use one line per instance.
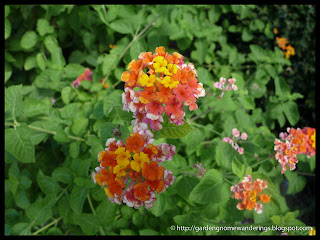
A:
(235, 140)
(86, 76)
(223, 87)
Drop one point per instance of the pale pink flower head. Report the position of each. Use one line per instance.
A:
(217, 85)
(244, 136)
(235, 132)
(234, 87)
(231, 81)
(223, 80)
(241, 150)
(226, 139)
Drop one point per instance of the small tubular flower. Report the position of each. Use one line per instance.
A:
(221, 85)
(250, 193)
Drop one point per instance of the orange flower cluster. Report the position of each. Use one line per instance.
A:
(287, 50)
(160, 83)
(130, 172)
(297, 141)
(250, 193)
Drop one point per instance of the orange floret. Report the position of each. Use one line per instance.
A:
(152, 172)
(134, 143)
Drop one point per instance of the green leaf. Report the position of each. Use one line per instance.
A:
(126, 117)
(78, 196)
(202, 47)
(79, 126)
(237, 167)
(13, 101)
(29, 40)
(73, 70)
(296, 182)
(291, 111)
(106, 212)
(148, 232)
(18, 143)
(271, 70)
(184, 186)
(69, 111)
(172, 131)
(137, 47)
(41, 61)
(74, 149)
(89, 223)
(122, 26)
(109, 62)
(47, 184)
(282, 89)
(43, 27)
(112, 100)
(63, 174)
(246, 36)
(61, 136)
(160, 205)
(211, 188)
(40, 211)
(176, 164)
(66, 94)
(19, 228)
(7, 29)
(7, 71)
(34, 107)
(21, 199)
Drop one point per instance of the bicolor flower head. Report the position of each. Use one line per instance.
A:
(295, 141)
(165, 84)
(250, 193)
(130, 172)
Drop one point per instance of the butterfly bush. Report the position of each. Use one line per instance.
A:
(295, 141)
(160, 83)
(250, 193)
(235, 140)
(130, 171)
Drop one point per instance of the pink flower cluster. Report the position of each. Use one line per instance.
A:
(223, 87)
(86, 76)
(235, 140)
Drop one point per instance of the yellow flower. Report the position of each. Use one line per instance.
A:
(119, 170)
(122, 154)
(169, 82)
(290, 51)
(139, 160)
(159, 64)
(145, 80)
(312, 232)
(275, 31)
(171, 69)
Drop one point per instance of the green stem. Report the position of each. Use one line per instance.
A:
(262, 161)
(43, 130)
(47, 226)
(201, 114)
(135, 38)
(188, 173)
(225, 179)
(94, 213)
(306, 174)
(72, 86)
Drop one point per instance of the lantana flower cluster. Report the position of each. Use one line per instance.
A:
(288, 50)
(86, 76)
(296, 141)
(160, 83)
(130, 171)
(250, 193)
(225, 87)
(235, 140)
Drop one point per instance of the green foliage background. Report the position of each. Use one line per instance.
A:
(51, 147)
